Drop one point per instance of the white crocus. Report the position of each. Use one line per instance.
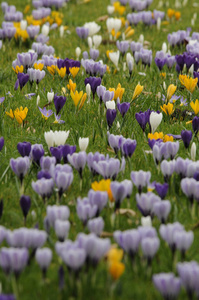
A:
(110, 104)
(191, 69)
(193, 151)
(97, 39)
(45, 30)
(83, 143)
(61, 31)
(114, 57)
(110, 9)
(78, 52)
(155, 120)
(90, 42)
(49, 138)
(129, 58)
(88, 91)
(50, 96)
(23, 24)
(38, 100)
(164, 47)
(93, 28)
(146, 221)
(141, 39)
(60, 137)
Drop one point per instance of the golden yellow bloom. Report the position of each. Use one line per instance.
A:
(20, 114)
(168, 109)
(155, 136)
(26, 9)
(195, 106)
(74, 71)
(163, 75)
(61, 71)
(138, 90)
(18, 69)
(118, 93)
(167, 138)
(82, 101)
(104, 186)
(108, 70)
(71, 86)
(188, 82)
(115, 254)
(51, 69)
(170, 91)
(107, 53)
(116, 269)
(114, 34)
(38, 66)
(170, 13)
(21, 33)
(119, 8)
(130, 33)
(177, 15)
(76, 97)
(10, 114)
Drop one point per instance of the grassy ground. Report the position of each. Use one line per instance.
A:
(134, 283)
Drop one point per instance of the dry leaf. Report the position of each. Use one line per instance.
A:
(126, 211)
(102, 18)
(106, 234)
(110, 150)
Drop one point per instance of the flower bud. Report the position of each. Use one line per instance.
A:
(193, 151)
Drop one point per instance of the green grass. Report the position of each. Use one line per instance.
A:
(134, 283)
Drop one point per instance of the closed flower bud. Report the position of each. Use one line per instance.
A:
(50, 96)
(78, 52)
(61, 31)
(193, 151)
(83, 143)
(45, 30)
(110, 104)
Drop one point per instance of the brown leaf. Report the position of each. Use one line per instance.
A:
(126, 211)
(106, 234)
(102, 18)
(110, 150)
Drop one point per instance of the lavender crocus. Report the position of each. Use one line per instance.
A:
(98, 198)
(123, 108)
(145, 202)
(55, 212)
(96, 225)
(186, 136)
(183, 240)
(115, 141)
(59, 102)
(188, 186)
(167, 233)
(140, 179)
(128, 240)
(43, 257)
(63, 180)
(35, 75)
(119, 193)
(162, 209)
(74, 258)
(61, 229)
(24, 148)
(20, 166)
(46, 162)
(82, 32)
(167, 168)
(78, 161)
(43, 187)
(189, 274)
(149, 247)
(94, 83)
(85, 210)
(168, 285)
(122, 46)
(56, 152)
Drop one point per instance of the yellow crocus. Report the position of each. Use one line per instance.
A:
(188, 82)
(168, 108)
(10, 114)
(18, 69)
(163, 75)
(167, 138)
(138, 90)
(20, 114)
(116, 35)
(116, 269)
(61, 71)
(155, 136)
(82, 101)
(74, 71)
(130, 33)
(38, 66)
(76, 97)
(170, 91)
(177, 15)
(71, 86)
(118, 93)
(103, 185)
(195, 106)
(170, 13)
(115, 254)
(51, 69)
(21, 33)
(26, 9)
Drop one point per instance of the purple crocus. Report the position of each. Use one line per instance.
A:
(110, 116)
(43, 187)
(62, 229)
(82, 32)
(161, 189)
(78, 161)
(55, 212)
(128, 147)
(24, 148)
(140, 179)
(98, 198)
(186, 136)
(25, 204)
(37, 151)
(63, 180)
(162, 209)
(22, 79)
(146, 201)
(119, 193)
(143, 118)
(43, 257)
(59, 102)
(45, 113)
(57, 153)
(195, 124)
(96, 225)
(149, 247)
(115, 141)
(168, 285)
(1, 143)
(94, 83)
(123, 108)
(67, 149)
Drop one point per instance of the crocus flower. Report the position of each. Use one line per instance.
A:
(138, 90)
(128, 147)
(186, 137)
(96, 225)
(61, 229)
(83, 143)
(24, 148)
(110, 116)
(37, 151)
(140, 179)
(162, 209)
(76, 96)
(195, 106)
(188, 82)
(170, 91)
(57, 153)
(161, 189)
(78, 161)
(22, 79)
(25, 204)
(188, 273)
(143, 118)
(43, 187)
(59, 102)
(1, 143)
(167, 284)
(20, 114)
(20, 166)
(123, 108)
(168, 108)
(128, 240)
(155, 120)
(94, 83)
(43, 257)
(149, 247)
(45, 113)
(55, 212)
(119, 193)
(195, 124)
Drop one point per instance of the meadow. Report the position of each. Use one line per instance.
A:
(148, 120)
